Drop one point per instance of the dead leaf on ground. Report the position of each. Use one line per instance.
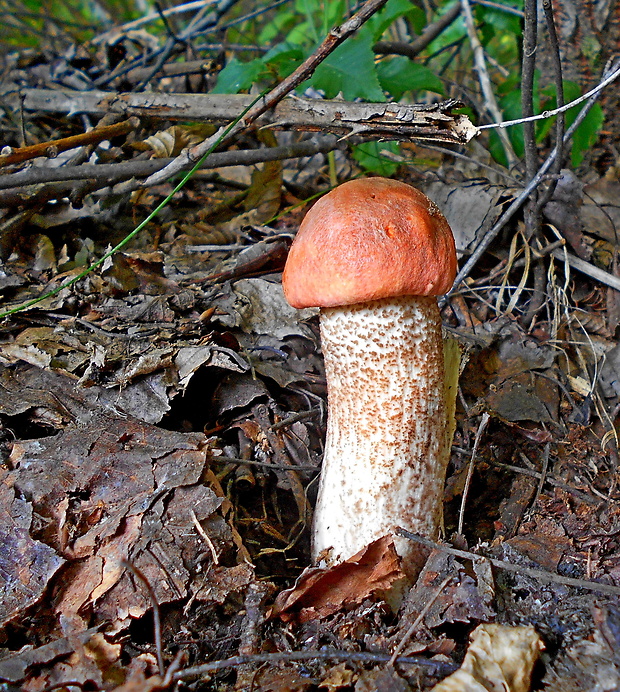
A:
(499, 659)
(461, 600)
(321, 592)
(26, 565)
(114, 489)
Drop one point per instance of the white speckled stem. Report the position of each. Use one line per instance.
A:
(386, 450)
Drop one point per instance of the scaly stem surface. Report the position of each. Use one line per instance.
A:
(387, 445)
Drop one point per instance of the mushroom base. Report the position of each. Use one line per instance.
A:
(387, 444)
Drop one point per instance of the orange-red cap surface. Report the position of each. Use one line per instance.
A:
(368, 239)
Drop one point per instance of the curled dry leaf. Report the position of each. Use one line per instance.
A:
(499, 659)
(321, 592)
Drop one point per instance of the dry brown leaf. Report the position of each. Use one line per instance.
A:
(321, 592)
(26, 565)
(499, 659)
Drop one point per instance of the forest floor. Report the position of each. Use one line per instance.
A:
(163, 417)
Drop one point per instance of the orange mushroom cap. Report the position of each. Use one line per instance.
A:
(368, 239)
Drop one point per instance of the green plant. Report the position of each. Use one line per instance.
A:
(351, 71)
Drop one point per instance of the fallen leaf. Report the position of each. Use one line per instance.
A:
(321, 592)
(499, 659)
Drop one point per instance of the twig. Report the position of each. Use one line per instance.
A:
(549, 479)
(511, 567)
(481, 428)
(559, 89)
(205, 536)
(516, 205)
(110, 173)
(53, 148)
(483, 77)
(118, 246)
(543, 473)
(152, 17)
(432, 31)
(433, 667)
(528, 64)
(156, 617)
(499, 6)
(612, 76)
(335, 37)
(588, 269)
(418, 620)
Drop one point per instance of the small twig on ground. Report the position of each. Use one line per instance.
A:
(432, 667)
(485, 82)
(588, 269)
(416, 623)
(543, 473)
(484, 421)
(335, 37)
(205, 537)
(540, 574)
(156, 617)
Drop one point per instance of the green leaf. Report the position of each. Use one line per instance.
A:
(511, 110)
(281, 21)
(392, 10)
(587, 132)
(369, 156)
(400, 74)
(350, 69)
(284, 58)
(238, 75)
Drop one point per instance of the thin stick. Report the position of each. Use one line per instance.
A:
(567, 106)
(510, 567)
(433, 667)
(543, 473)
(483, 424)
(156, 617)
(516, 205)
(110, 173)
(418, 620)
(124, 241)
(483, 77)
(432, 31)
(205, 536)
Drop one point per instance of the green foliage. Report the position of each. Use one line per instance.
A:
(351, 70)
(587, 132)
(238, 76)
(398, 75)
(369, 155)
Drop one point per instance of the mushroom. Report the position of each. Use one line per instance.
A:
(373, 254)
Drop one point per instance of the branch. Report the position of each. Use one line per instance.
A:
(427, 123)
(413, 49)
(612, 76)
(532, 185)
(52, 149)
(111, 173)
(485, 82)
(335, 37)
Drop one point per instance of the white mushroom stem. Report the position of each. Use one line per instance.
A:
(387, 445)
